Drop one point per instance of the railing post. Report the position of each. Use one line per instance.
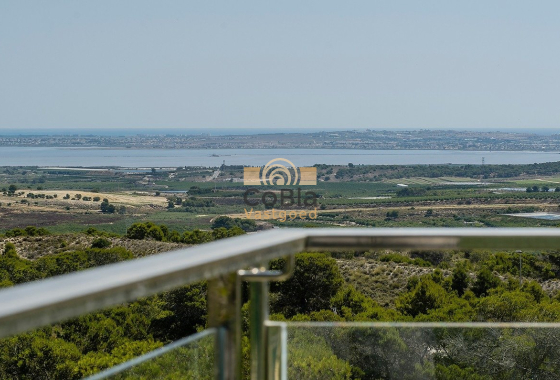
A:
(258, 313)
(257, 317)
(223, 302)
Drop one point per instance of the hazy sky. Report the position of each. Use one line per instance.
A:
(271, 64)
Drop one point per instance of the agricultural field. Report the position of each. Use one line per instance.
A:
(430, 181)
(111, 199)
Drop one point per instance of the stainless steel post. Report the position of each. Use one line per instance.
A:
(259, 279)
(258, 316)
(222, 314)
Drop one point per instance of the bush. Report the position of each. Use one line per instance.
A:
(137, 231)
(425, 296)
(28, 231)
(485, 281)
(161, 232)
(107, 208)
(316, 280)
(197, 237)
(246, 225)
(155, 232)
(392, 214)
(10, 250)
(460, 280)
(101, 243)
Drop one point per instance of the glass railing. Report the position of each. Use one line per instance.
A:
(188, 358)
(475, 351)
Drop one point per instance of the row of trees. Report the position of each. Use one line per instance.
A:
(247, 225)
(84, 198)
(544, 189)
(149, 230)
(11, 191)
(433, 171)
(40, 196)
(27, 231)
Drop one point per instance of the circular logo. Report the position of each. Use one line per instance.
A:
(277, 172)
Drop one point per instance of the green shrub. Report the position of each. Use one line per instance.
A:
(101, 243)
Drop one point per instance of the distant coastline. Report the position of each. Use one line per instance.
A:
(242, 131)
(368, 139)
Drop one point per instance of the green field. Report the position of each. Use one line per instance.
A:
(341, 197)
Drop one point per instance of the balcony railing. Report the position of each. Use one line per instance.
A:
(225, 264)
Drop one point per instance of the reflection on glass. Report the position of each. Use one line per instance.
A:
(188, 358)
(423, 351)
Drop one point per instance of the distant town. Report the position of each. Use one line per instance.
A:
(363, 139)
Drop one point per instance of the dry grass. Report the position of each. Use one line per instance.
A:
(38, 246)
(385, 281)
(58, 204)
(382, 281)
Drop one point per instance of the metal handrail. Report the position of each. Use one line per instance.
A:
(40, 303)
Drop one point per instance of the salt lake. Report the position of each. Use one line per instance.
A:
(88, 157)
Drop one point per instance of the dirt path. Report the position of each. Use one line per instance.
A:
(441, 207)
(214, 176)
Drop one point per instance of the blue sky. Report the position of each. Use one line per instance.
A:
(283, 64)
